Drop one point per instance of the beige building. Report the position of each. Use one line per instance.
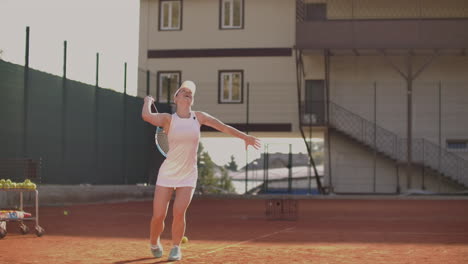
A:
(348, 70)
(224, 46)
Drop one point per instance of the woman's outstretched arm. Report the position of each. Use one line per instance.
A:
(208, 120)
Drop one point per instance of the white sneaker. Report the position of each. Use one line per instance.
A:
(157, 251)
(175, 254)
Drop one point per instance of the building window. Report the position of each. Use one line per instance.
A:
(230, 86)
(168, 82)
(316, 12)
(457, 145)
(231, 14)
(170, 15)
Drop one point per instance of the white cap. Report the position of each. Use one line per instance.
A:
(189, 85)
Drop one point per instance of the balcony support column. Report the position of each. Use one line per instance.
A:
(409, 78)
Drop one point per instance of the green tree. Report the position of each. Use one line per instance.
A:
(232, 165)
(318, 152)
(318, 158)
(226, 182)
(207, 180)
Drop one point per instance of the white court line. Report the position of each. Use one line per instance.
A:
(243, 242)
(388, 233)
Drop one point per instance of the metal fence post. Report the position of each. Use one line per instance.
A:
(247, 131)
(124, 130)
(96, 119)
(24, 149)
(64, 110)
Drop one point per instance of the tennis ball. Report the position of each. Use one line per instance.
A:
(65, 212)
(30, 186)
(184, 240)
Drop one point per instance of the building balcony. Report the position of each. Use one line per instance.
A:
(383, 34)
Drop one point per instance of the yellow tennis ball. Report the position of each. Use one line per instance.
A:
(65, 212)
(184, 240)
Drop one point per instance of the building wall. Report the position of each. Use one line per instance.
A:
(314, 66)
(352, 168)
(272, 80)
(267, 24)
(352, 85)
(273, 96)
(355, 79)
(143, 44)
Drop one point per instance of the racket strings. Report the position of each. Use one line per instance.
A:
(162, 141)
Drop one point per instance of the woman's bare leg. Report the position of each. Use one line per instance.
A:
(182, 201)
(162, 197)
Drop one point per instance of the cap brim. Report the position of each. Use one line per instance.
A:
(188, 85)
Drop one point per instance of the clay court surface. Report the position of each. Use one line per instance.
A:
(236, 231)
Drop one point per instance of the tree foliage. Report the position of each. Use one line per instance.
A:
(212, 178)
(232, 165)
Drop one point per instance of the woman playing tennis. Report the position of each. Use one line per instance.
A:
(179, 171)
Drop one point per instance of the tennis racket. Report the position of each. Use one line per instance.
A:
(160, 138)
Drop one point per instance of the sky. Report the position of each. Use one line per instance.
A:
(109, 27)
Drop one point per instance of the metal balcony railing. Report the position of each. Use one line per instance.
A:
(424, 152)
(300, 10)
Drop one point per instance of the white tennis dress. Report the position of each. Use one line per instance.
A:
(180, 167)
